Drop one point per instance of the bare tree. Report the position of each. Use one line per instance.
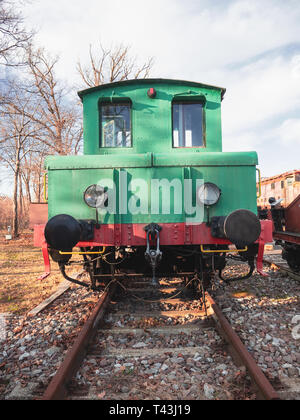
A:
(57, 117)
(17, 140)
(5, 211)
(13, 35)
(58, 121)
(37, 118)
(112, 64)
(32, 173)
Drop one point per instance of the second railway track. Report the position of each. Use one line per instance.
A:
(144, 345)
(275, 260)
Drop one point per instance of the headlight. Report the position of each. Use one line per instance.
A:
(209, 194)
(95, 196)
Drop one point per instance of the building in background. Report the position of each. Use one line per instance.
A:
(285, 186)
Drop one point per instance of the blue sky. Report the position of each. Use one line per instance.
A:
(250, 47)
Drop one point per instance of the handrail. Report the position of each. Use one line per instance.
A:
(259, 183)
(84, 253)
(210, 251)
(45, 188)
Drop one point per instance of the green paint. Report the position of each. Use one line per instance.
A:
(152, 155)
(151, 118)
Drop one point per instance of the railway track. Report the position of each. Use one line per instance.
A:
(138, 342)
(274, 260)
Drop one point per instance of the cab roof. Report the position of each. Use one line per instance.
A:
(84, 92)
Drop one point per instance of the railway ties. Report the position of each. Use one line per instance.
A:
(149, 347)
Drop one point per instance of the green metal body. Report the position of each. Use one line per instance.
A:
(152, 155)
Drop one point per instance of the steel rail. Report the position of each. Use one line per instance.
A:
(289, 272)
(62, 288)
(265, 389)
(58, 387)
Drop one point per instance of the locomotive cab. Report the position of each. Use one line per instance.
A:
(153, 185)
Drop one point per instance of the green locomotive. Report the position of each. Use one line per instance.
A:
(153, 194)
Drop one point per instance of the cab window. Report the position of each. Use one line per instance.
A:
(187, 124)
(115, 124)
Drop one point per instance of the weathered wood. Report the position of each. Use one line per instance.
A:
(63, 287)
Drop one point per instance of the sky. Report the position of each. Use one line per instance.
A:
(250, 47)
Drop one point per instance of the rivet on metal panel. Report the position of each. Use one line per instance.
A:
(129, 233)
(188, 235)
(117, 235)
(175, 232)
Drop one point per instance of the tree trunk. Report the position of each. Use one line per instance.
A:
(15, 232)
(21, 198)
(28, 192)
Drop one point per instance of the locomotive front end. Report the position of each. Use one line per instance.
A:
(153, 194)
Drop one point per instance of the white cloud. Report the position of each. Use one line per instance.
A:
(190, 39)
(261, 91)
(243, 45)
(242, 141)
(288, 134)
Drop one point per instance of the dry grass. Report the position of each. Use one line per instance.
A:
(20, 266)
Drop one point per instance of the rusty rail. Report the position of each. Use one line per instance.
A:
(294, 275)
(265, 389)
(58, 387)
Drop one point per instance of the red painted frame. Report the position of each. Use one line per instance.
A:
(171, 234)
(292, 237)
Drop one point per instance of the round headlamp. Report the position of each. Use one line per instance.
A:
(209, 194)
(95, 196)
